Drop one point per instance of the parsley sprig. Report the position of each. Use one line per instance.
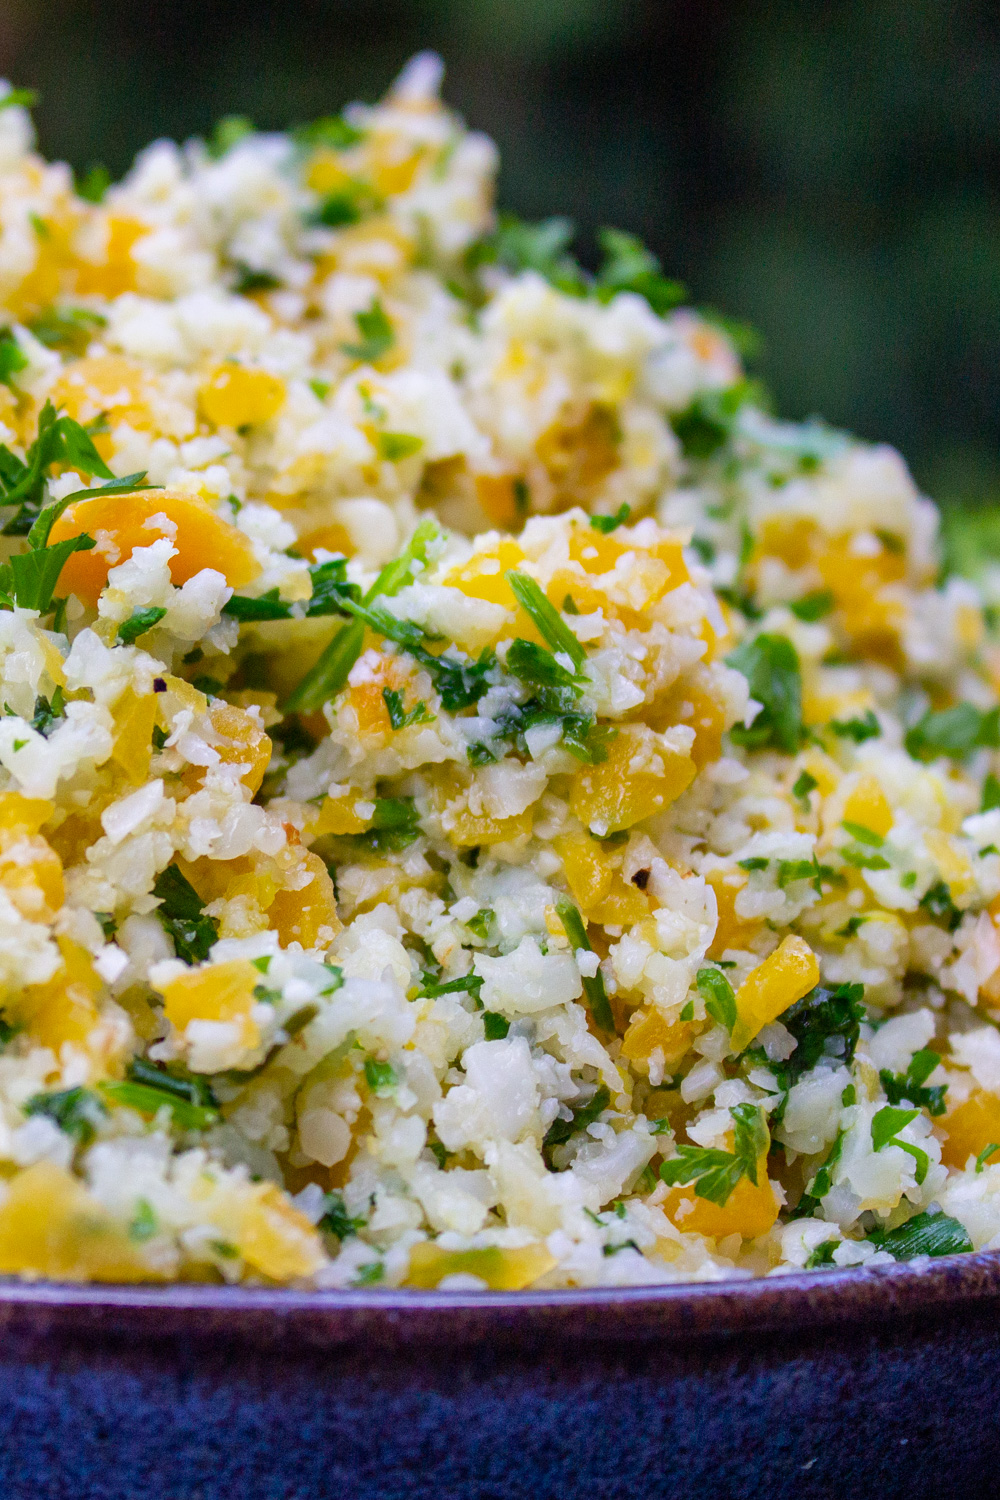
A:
(714, 1172)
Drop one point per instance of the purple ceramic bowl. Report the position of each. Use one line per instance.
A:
(838, 1384)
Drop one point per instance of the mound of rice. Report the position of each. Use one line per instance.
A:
(483, 804)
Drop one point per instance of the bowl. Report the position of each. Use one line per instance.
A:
(841, 1383)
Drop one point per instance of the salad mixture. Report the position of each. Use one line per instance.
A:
(483, 803)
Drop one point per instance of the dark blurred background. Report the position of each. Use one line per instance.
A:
(830, 172)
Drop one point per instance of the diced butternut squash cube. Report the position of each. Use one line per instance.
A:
(213, 992)
(869, 807)
(135, 719)
(238, 396)
(623, 906)
(337, 815)
(31, 875)
(20, 815)
(750, 1210)
(503, 1270)
(588, 868)
(120, 523)
(306, 914)
(731, 931)
(115, 272)
(790, 972)
(640, 777)
(971, 1127)
(239, 740)
(650, 1029)
(274, 1237)
(50, 1225)
(64, 1009)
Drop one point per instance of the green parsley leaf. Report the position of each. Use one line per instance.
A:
(937, 903)
(805, 784)
(560, 1131)
(629, 267)
(911, 1084)
(991, 793)
(885, 1125)
(329, 130)
(138, 622)
(496, 1026)
(824, 1023)
(182, 916)
(76, 1111)
(94, 183)
(863, 835)
(770, 664)
(715, 1173)
(395, 446)
(545, 617)
(954, 732)
(812, 607)
(862, 861)
(867, 728)
(469, 984)
(12, 358)
(822, 1255)
(756, 862)
(228, 132)
(377, 335)
(607, 524)
(336, 1220)
(710, 420)
(148, 1097)
(144, 1225)
(399, 718)
(26, 98)
(48, 715)
(985, 1155)
(925, 1234)
(717, 993)
(381, 1077)
(593, 985)
(540, 247)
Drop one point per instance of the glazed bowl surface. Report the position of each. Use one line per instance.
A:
(835, 1384)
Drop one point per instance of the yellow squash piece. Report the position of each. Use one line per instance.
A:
(50, 1225)
(971, 1127)
(750, 1210)
(640, 777)
(238, 396)
(120, 523)
(503, 1270)
(790, 972)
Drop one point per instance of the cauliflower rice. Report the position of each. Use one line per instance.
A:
(483, 804)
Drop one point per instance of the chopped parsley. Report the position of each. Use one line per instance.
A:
(812, 607)
(607, 524)
(182, 916)
(955, 732)
(886, 1124)
(858, 730)
(991, 793)
(138, 622)
(545, 617)
(77, 1111)
(381, 1077)
(714, 1172)
(376, 335)
(561, 1131)
(911, 1085)
(925, 1234)
(770, 664)
(336, 1220)
(593, 985)
(938, 904)
(826, 1023)
(401, 718)
(717, 993)
(495, 1025)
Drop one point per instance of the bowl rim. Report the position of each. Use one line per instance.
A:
(678, 1312)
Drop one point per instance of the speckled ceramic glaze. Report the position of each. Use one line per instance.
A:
(882, 1383)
